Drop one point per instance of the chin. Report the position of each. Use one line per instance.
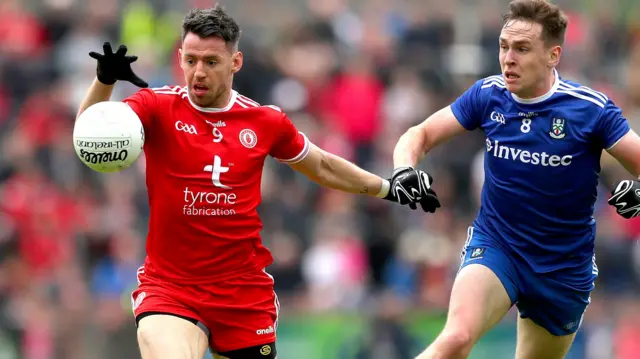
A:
(514, 89)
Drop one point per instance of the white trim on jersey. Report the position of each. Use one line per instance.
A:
(599, 95)
(247, 101)
(615, 143)
(496, 80)
(228, 107)
(584, 94)
(581, 96)
(493, 83)
(554, 88)
(300, 156)
(171, 90)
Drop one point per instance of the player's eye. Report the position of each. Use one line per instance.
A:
(523, 49)
(189, 61)
(212, 62)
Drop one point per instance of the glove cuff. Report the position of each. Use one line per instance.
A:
(384, 190)
(400, 169)
(105, 81)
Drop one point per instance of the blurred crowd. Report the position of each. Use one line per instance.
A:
(352, 75)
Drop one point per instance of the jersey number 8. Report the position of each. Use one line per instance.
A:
(526, 125)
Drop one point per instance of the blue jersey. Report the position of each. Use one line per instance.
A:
(542, 164)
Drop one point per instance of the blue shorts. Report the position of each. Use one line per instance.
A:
(546, 299)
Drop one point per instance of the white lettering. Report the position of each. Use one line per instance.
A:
(210, 212)
(199, 198)
(105, 144)
(515, 152)
(535, 158)
(497, 117)
(190, 129)
(265, 331)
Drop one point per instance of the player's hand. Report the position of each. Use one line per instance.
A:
(626, 198)
(410, 186)
(113, 67)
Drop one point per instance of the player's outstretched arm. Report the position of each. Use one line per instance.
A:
(627, 152)
(625, 196)
(419, 139)
(337, 173)
(111, 68)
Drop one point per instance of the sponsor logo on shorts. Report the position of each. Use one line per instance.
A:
(477, 252)
(265, 350)
(269, 330)
(571, 325)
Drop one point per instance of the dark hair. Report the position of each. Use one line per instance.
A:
(212, 22)
(553, 20)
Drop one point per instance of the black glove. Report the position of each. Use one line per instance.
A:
(626, 198)
(409, 186)
(113, 67)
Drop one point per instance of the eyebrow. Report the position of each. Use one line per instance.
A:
(517, 42)
(214, 56)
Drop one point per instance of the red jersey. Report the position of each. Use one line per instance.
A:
(203, 175)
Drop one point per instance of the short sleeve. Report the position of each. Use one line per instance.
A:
(611, 126)
(469, 106)
(290, 146)
(143, 103)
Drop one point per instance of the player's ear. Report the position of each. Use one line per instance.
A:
(554, 56)
(237, 61)
(180, 57)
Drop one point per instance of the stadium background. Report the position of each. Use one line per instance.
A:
(357, 277)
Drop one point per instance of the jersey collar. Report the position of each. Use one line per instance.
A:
(228, 107)
(539, 99)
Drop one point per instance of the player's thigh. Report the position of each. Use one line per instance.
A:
(551, 312)
(535, 342)
(165, 336)
(478, 302)
(242, 313)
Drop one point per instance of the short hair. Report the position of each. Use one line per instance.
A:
(212, 22)
(553, 20)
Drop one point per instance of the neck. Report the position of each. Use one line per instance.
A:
(222, 100)
(545, 85)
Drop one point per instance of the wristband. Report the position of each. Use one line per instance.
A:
(384, 190)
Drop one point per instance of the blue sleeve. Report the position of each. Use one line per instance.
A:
(469, 106)
(611, 125)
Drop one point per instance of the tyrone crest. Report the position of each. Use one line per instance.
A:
(557, 128)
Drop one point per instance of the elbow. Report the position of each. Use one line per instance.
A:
(418, 139)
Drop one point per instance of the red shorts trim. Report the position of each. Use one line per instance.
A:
(240, 312)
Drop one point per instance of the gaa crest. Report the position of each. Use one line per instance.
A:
(557, 128)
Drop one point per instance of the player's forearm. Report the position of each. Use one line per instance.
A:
(410, 149)
(340, 174)
(98, 92)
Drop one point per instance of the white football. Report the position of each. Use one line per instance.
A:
(108, 136)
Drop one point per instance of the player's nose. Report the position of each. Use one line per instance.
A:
(509, 59)
(200, 73)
